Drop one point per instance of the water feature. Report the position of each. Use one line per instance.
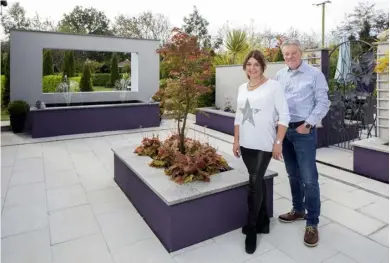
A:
(67, 87)
(123, 86)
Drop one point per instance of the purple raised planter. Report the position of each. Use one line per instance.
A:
(56, 121)
(221, 121)
(189, 222)
(224, 122)
(371, 163)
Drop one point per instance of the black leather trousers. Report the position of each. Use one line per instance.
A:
(257, 163)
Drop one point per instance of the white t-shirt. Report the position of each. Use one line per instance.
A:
(258, 113)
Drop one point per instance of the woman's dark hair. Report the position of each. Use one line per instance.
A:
(259, 56)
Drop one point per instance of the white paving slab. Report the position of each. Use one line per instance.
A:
(148, 250)
(66, 197)
(353, 245)
(32, 247)
(381, 236)
(79, 250)
(71, 223)
(340, 258)
(378, 210)
(336, 156)
(350, 218)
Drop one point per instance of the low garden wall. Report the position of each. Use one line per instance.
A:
(66, 120)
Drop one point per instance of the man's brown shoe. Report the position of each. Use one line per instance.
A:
(311, 236)
(291, 217)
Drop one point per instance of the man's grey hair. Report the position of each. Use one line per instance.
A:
(289, 42)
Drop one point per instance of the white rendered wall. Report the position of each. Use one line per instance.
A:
(229, 78)
(26, 48)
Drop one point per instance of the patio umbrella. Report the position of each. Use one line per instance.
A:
(344, 62)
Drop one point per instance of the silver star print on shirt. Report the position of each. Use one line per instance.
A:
(248, 113)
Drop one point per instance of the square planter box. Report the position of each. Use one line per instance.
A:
(217, 120)
(184, 215)
(371, 159)
(55, 121)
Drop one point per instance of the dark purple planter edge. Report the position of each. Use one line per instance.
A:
(90, 119)
(371, 163)
(325, 135)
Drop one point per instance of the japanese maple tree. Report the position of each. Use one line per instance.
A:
(188, 68)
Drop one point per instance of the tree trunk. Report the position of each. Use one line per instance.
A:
(181, 138)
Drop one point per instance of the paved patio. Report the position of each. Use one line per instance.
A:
(60, 204)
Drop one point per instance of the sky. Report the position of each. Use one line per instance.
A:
(278, 15)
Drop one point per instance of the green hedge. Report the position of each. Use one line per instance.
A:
(101, 79)
(50, 82)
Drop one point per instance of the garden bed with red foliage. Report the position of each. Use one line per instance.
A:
(198, 163)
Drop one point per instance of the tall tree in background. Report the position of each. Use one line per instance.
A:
(308, 40)
(15, 18)
(42, 24)
(364, 17)
(85, 21)
(268, 38)
(5, 94)
(4, 50)
(114, 70)
(69, 66)
(86, 79)
(47, 63)
(196, 25)
(146, 25)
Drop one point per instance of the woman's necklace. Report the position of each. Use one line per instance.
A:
(257, 83)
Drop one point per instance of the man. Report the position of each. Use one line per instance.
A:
(306, 91)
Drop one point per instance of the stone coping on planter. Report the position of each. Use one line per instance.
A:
(33, 108)
(172, 193)
(232, 114)
(215, 111)
(376, 144)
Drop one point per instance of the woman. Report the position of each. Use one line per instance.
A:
(260, 103)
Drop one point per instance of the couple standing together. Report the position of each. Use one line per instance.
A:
(296, 100)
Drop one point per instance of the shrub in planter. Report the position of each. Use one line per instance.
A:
(188, 66)
(18, 111)
(184, 159)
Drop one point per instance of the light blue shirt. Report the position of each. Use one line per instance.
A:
(306, 91)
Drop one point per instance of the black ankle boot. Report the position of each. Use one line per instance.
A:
(251, 241)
